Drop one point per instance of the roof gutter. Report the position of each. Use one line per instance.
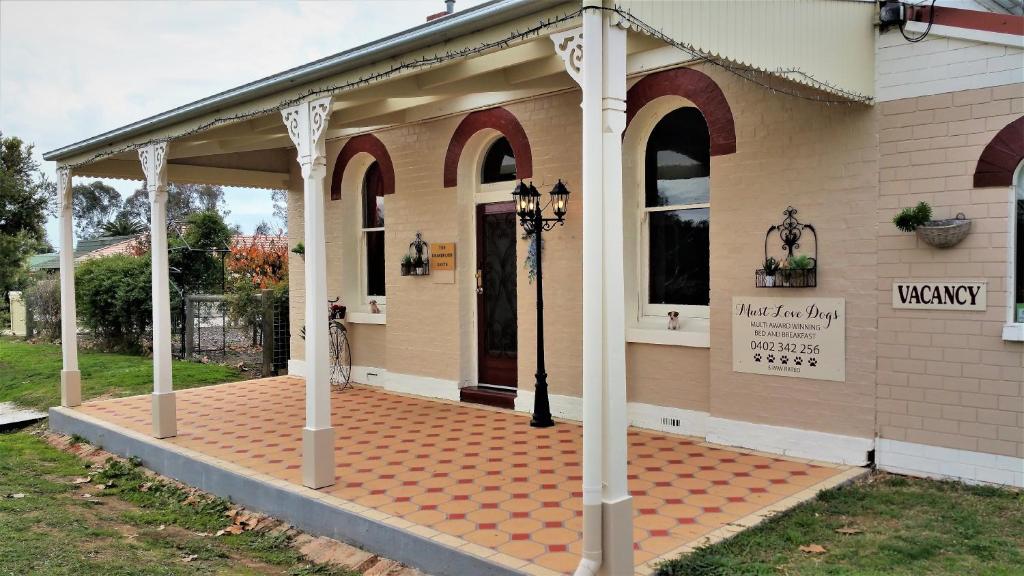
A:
(441, 30)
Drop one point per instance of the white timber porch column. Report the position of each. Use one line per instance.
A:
(595, 57)
(617, 504)
(154, 165)
(307, 123)
(70, 377)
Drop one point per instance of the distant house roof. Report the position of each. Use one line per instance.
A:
(86, 249)
(97, 247)
(264, 241)
(90, 245)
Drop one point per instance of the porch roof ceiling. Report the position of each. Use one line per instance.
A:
(237, 138)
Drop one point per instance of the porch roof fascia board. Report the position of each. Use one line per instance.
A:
(432, 33)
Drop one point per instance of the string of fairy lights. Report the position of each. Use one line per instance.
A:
(764, 79)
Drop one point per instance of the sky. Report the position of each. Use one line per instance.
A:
(71, 70)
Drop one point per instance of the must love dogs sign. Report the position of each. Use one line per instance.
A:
(795, 337)
(915, 294)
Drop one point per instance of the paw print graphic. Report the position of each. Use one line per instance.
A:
(812, 361)
(757, 357)
(798, 361)
(771, 358)
(784, 359)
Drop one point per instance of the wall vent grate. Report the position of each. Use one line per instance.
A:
(671, 422)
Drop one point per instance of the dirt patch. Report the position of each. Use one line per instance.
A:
(104, 512)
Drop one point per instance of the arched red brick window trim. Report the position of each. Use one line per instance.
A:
(374, 147)
(697, 87)
(1001, 156)
(498, 119)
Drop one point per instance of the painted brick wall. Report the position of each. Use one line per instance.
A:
(947, 378)
(822, 160)
(939, 65)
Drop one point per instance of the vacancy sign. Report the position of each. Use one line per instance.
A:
(926, 295)
(795, 337)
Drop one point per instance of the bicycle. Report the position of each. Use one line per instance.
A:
(338, 347)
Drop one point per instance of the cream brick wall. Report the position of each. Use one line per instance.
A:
(947, 378)
(669, 376)
(822, 160)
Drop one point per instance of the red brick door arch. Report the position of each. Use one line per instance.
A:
(498, 119)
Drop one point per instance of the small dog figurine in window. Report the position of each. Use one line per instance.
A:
(673, 320)
(374, 309)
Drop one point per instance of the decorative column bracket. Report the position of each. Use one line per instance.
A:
(569, 47)
(307, 126)
(154, 165)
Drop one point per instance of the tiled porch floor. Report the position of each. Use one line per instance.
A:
(479, 475)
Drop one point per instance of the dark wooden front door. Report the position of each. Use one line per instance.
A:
(496, 293)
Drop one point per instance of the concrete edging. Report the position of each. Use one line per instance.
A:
(304, 508)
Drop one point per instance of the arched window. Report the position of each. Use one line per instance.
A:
(675, 215)
(373, 233)
(499, 163)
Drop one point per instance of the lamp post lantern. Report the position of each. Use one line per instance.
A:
(531, 218)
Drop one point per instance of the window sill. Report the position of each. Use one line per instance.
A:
(697, 336)
(366, 318)
(1013, 332)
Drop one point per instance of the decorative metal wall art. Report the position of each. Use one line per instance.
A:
(416, 261)
(795, 269)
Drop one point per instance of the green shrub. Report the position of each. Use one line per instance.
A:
(196, 269)
(114, 298)
(910, 218)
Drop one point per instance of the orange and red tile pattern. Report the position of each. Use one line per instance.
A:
(476, 473)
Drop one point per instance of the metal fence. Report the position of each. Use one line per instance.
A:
(205, 331)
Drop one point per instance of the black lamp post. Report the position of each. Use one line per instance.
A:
(531, 218)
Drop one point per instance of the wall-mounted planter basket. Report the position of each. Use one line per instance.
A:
(790, 232)
(801, 278)
(944, 233)
(419, 252)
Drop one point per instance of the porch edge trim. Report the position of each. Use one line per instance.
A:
(306, 509)
(794, 442)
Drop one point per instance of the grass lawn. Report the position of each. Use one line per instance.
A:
(30, 374)
(53, 529)
(900, 526)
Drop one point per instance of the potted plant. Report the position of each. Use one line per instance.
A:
(417, 264)
(771, 266)
(407, 265)
(300, 249)
(938, 233)
(799, 270)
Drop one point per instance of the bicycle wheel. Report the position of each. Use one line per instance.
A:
(341, 355)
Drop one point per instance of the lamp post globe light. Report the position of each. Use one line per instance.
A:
(531, 218)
